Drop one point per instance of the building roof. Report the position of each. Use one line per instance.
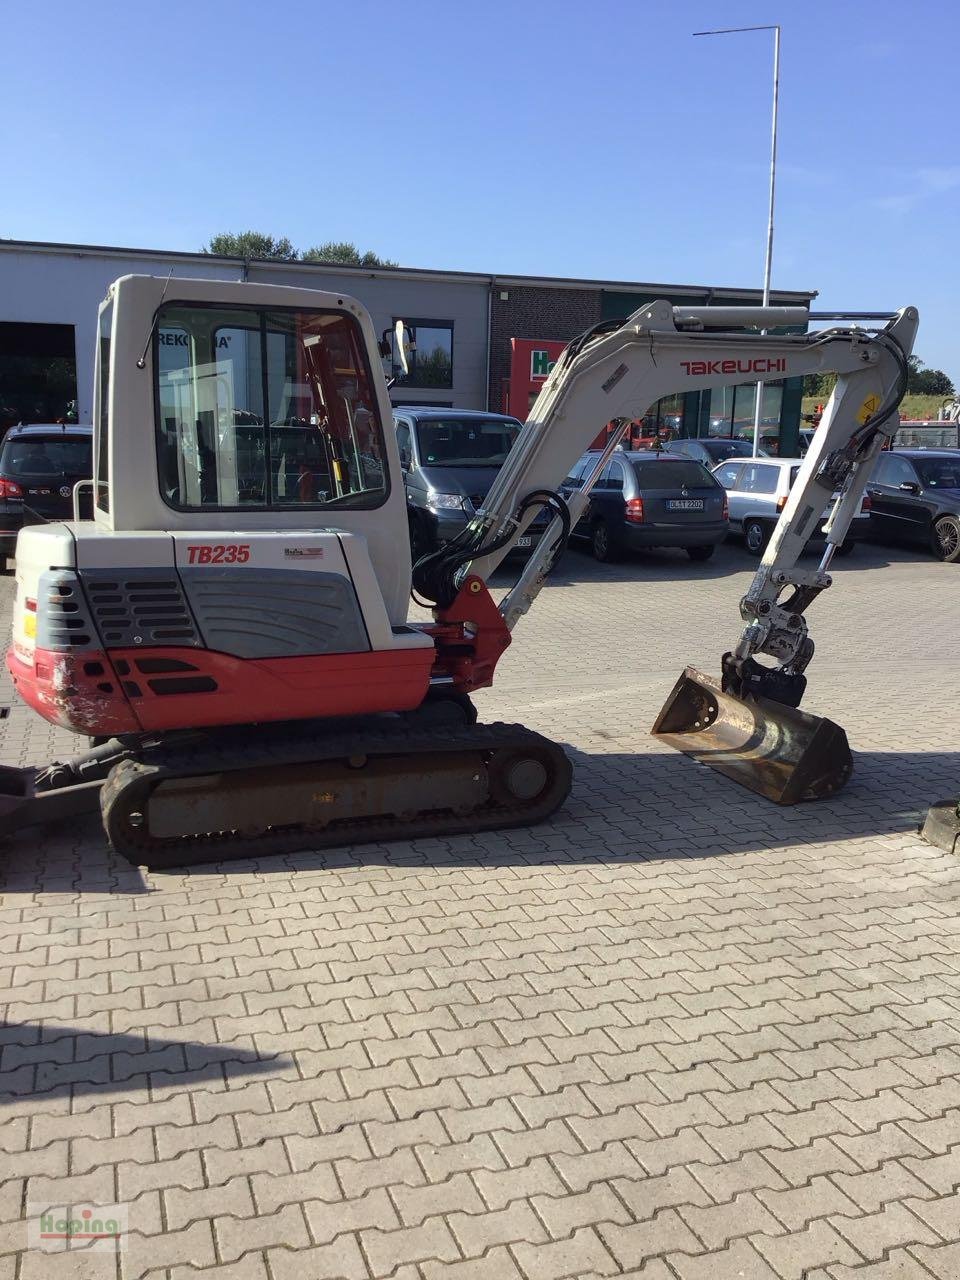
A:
(700, 291)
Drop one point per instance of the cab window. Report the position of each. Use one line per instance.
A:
(262, 408)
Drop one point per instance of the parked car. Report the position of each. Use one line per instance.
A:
(449, 459)
(915, 497)
(758, 490)
(710, 450)
(39, 465)
(649, 499)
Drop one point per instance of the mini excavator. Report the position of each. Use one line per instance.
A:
(231, 632)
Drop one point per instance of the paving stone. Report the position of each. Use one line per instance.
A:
(236, 1236)
(892, 1226)
(327, 1219)
(500, 1187)
(796, 1253)
(496, 1265)
(942, 1261)
(633, 1245)
(716, 1225)
(723, 1181)
(456, 1194)
(737, 1259)
(898, 1266)
(385, 1250)
(892, 1181)
(475, 1233)
(583, 1251)
(342, 1260)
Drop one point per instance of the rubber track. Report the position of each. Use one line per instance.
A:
(129, 784)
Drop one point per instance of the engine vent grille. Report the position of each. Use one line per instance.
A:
(146, 609)
(63, 620)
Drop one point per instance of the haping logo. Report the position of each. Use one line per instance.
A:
(762, 364)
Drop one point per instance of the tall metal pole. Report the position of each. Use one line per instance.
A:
(768, 257)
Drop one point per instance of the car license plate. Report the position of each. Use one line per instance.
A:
(524, 542)
(684, 504)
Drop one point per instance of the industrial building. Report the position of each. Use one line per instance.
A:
(480, 341)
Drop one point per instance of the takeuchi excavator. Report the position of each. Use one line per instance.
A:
(231, 628)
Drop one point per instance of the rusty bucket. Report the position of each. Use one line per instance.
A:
(775, 750)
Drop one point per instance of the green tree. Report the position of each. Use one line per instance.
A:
(819, 384)
(346, 254)
(252, 244)
(927, 382)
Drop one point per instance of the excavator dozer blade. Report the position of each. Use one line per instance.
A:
(777, 751)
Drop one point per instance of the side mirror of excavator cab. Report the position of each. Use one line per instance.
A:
(392, 348)
(400, 351)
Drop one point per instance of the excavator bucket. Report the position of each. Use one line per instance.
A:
(781, 753)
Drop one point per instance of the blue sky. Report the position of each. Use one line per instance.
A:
(594, 139)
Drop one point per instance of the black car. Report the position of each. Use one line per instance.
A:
(650, 499)
(39, 465)
(915, 497)
(449, 459)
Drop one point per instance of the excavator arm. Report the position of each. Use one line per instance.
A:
(746, 724)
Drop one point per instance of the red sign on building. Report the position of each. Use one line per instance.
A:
(531, 359)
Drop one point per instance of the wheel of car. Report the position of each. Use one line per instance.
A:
(419, 541)
(846, 547)
(946, 539)
(603, 542)
(700, 553)
(756, 536)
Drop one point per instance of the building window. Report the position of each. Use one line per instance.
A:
(258, 409)
(665, 417)
(429, 355)
(733, 412)
(38, 373)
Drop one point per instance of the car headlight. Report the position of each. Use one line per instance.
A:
(446, 502)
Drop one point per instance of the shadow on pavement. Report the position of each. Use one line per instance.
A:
(58, 1060)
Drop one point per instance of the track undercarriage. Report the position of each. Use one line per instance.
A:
(187, 799)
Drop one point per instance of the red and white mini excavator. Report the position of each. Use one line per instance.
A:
(231, 628)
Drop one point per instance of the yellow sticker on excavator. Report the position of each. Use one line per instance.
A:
(868, 409)
(30, 625)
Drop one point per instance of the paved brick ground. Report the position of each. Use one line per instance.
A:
(676, 1033)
